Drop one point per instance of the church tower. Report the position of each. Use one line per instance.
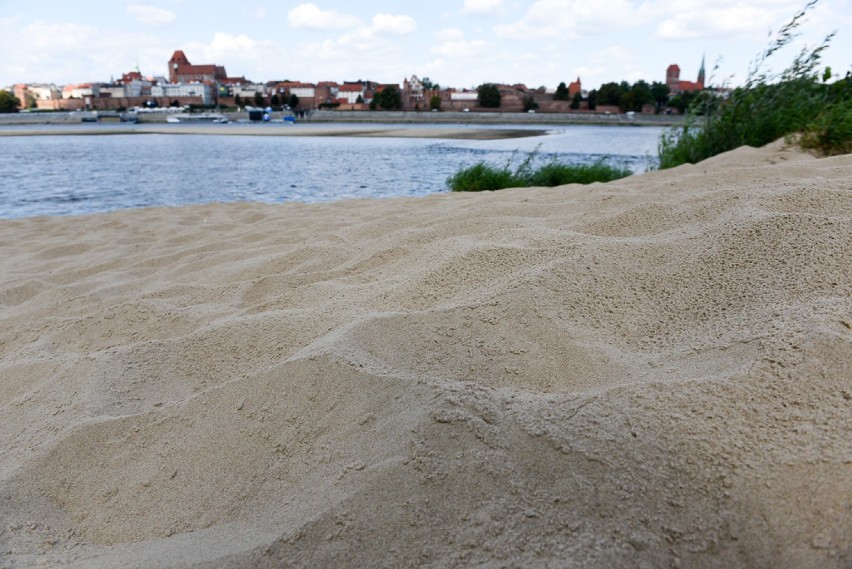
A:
(177, 61)
(700, 82)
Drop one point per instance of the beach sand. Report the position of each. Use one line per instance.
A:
(653, 372)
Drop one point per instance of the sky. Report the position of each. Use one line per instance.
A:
(455, 43)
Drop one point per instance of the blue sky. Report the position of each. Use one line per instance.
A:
(459, 43)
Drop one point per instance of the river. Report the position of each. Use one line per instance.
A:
(71, 174)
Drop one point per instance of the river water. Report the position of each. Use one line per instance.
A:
(76, 174)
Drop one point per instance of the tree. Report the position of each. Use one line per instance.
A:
(561, 92)
(529, 103)
(359, 100)
(8, 102)
(435, 102)
(275, 101)
(575, 102)
(389, 98)
(610, 94)
(660, 93)
(488, 95)
(294, 101)
(682, 101)
(627, 102)
(641, 95)
(258, 99)
(238, 101)
(429, 86)
(593, 99)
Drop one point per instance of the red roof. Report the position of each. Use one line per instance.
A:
(351, 88)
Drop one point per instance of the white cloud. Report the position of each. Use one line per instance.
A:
(481, 6)
(614, 54)
(56, 37)
(715, 23)
(584, 72)
(224, 44)
(574, 18)
(64, 53)
(391, 24)
(311, 17)
(695, 19)
(459, 48)
(452, 44)
(238, 53)
(150, 15)
(366, 38)
(449, 34)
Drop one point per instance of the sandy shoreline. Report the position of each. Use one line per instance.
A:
(652, 372)
(456, 133)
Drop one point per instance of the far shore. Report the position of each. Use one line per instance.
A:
(454, 118)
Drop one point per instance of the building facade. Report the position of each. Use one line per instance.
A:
(677, 86)
(182, 71)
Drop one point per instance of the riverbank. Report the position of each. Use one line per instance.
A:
(596, 119)
(650, 372)
(277, 129)
(383, 117)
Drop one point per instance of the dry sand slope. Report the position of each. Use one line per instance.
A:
(648, 373)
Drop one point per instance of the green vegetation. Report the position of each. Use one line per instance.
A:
(388, 98)
(435, 102)
(8, 102)
(629, 97)
(486, 177)
(530, 104)
(796, 102)
(576, 101)
(428, 85)
(561, 92)
(488, 95)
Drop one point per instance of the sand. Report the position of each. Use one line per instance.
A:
(655, 372)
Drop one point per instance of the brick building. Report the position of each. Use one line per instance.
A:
(182, 71)
(677, 86)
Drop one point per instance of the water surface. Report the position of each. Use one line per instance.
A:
(76, 174)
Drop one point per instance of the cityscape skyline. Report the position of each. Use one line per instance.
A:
(460, 43)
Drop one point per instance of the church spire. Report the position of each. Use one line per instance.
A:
(700, 81)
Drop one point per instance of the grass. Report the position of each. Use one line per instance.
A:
(484, 177)
(768, 107)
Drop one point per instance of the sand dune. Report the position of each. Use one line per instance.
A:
(649, 373)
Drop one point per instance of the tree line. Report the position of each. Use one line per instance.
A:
(623, 95)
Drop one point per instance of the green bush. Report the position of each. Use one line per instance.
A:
(831, 131)
(766, 109)
(555, 174)
(483, 177)
(486, 177)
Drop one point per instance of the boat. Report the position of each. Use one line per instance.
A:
(197, 117)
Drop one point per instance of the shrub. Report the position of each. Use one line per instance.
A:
(483, 177)
(555, 174)
(831, 131)
(486, 177)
